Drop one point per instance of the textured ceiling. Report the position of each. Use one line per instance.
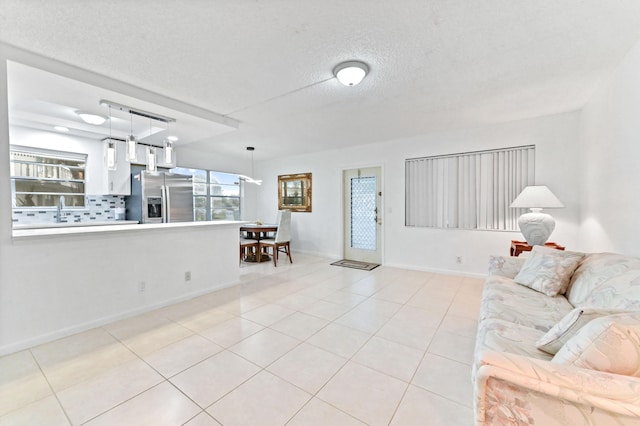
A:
(435, 65)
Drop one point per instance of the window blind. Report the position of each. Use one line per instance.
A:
(470, 190)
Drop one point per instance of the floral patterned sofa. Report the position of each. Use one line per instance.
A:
(558, 340)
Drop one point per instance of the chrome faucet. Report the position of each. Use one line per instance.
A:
(60, 207)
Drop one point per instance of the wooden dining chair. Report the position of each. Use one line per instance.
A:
(246, 244)
(282, 240)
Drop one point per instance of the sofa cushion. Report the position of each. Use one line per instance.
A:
(548, 270)
(591, 281)
(619, 292)
(504, 336)
(610, 344)
(506, 300)
(505, 266)
(568, 326)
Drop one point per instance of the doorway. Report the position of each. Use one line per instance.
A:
(363, 214)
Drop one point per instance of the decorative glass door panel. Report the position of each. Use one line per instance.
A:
(364, 228)
(362, 221)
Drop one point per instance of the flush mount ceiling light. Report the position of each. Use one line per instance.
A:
(351, 73)
(90, 118)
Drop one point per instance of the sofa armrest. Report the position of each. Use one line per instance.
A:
(526, 391)
(505, 266)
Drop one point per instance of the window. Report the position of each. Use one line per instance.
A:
(40, 178)
(468, 191)
(216, 195)
(224, 189)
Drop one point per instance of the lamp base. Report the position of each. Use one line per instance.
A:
(536, 227)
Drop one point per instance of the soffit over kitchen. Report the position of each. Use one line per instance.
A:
(42, 100)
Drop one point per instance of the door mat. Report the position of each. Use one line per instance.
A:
(356, 265)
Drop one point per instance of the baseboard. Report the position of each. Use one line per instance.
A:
(436, 270)
(315, 253)
(399, 265)
(79, 328)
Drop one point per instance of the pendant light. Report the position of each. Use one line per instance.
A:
(132, 143)
(152, 158)
(111, 148)
(152, 165)
(247, 178)
(168, 149)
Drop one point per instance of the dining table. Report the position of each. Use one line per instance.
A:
(258, 232)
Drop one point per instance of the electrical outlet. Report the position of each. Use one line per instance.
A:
(458, 259)
(142, 286)
(187, 276)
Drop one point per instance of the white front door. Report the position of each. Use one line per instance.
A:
(363, 214)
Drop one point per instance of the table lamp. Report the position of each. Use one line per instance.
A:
(535, 225)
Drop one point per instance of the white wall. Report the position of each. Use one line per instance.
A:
(320, 231)
(610, 148)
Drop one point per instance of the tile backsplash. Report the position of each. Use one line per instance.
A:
(99, 208)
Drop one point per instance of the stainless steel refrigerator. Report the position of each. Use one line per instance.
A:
(160, 197)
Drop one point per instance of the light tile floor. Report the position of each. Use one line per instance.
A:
(301, 344)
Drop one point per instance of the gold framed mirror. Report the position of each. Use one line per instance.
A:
(294, 192)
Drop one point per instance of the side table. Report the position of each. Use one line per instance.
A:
(518, 247)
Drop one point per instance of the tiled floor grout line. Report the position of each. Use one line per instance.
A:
(410, 383)
(53, 391)
(281, 285)
(265, 368)
(315, 395)
(424, 354)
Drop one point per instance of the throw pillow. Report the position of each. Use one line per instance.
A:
(568, 326)
(610, 344)
(505, 266)
(548, 270)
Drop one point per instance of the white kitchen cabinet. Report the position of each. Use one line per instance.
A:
(118, 181)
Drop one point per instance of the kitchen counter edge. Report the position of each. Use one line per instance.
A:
(87, 230)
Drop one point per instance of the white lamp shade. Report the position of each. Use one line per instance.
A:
(537, 196)
(351, 73)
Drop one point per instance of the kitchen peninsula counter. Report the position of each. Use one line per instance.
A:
(77, 278)
(119, 228)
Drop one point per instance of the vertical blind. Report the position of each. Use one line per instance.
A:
(468, 191)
